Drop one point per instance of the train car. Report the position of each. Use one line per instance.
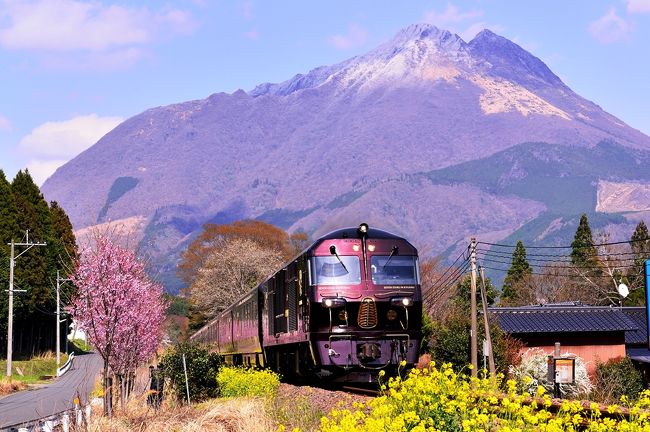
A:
(347, 307)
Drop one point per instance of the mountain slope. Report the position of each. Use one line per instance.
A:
(343, 143)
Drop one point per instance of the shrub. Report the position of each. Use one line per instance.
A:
(441, 400)
(238, 382)
(615, 379)
(533, 371)
(202, 367)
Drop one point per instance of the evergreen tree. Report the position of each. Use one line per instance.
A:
(63, 237)
(517, 271)
(35, 270)
(640, 245)
(583, 253)
(462, 296)
(8, 229)
(8, 211)
(22, 207)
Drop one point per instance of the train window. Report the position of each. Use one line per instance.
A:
(328, 270)
(395, 270)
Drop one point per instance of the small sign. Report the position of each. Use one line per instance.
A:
(565, 370)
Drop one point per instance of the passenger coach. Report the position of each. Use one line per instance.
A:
(348, 306)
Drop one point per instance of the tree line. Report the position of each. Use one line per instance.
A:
(23, 208)
(591, 273)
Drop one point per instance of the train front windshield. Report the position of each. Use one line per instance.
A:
(328, 270)
(395, 270)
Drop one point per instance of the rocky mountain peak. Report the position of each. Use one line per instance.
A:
(506, 59)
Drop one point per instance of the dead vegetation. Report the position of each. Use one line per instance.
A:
(8, 386)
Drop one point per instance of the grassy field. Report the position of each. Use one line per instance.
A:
(35, 370)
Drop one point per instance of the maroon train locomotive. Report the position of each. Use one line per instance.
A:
(348, 306)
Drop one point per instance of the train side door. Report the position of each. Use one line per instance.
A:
(291, 283)
(280, 302)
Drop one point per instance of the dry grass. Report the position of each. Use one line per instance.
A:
(217, 415)
(8, 386)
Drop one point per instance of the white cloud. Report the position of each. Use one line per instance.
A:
(52, 144)
(610, 28)
(638, 6)
(466, 24)
(66, 139)
(450, 17)
(5, 125)
(356, 36)
(42, 170)
(86, 27)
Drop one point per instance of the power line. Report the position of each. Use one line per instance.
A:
(509, 254)
(544, 260)
(450, 279)
(563, 267)
(568, 247)
(572, 276)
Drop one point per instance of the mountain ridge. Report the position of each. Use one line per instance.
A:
(343, 143)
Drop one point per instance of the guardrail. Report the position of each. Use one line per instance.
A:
(63, 369)
(62, 421)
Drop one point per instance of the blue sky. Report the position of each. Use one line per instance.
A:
(70, 70)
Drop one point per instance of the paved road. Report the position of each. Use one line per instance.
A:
(29, 405)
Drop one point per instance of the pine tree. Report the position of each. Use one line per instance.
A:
(640, 244)
(8, 211)
(63, 236)
(34, 271)
(519, 268)
(583, 252)
(8, 229)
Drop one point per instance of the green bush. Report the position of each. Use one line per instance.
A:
(615, 379)
(238, 382)
(202, 367)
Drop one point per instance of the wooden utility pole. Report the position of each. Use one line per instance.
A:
(10, 312)
(58, 318)
(493, 371)
(474, 330)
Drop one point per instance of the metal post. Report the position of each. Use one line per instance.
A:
(10, 324)
(10, 312)
(58, 321)
(187, 385)
(557, 392)
(474, 324)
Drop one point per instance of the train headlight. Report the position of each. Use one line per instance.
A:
(363, 229)
(333, 302)
(401, 301)
(391, 315)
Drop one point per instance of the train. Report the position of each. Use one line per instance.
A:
(347, 307)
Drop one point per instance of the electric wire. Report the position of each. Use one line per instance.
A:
(568, 247)
(553, 261)
(509, 254)
(441, 283)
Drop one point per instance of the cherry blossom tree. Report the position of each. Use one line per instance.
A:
(119, 307)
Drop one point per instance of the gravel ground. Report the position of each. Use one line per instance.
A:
(303, 406)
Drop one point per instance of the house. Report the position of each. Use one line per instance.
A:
(636, 341)
(594, 333)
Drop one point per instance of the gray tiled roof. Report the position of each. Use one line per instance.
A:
(640, 335)
(562, 319)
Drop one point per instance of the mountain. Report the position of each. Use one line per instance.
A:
(427, 135)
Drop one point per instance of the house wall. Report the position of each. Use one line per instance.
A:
(591, 347)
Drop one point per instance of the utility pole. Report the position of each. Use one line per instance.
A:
(10, 322)
(474, 330)
(58, 318)
(493, 372)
